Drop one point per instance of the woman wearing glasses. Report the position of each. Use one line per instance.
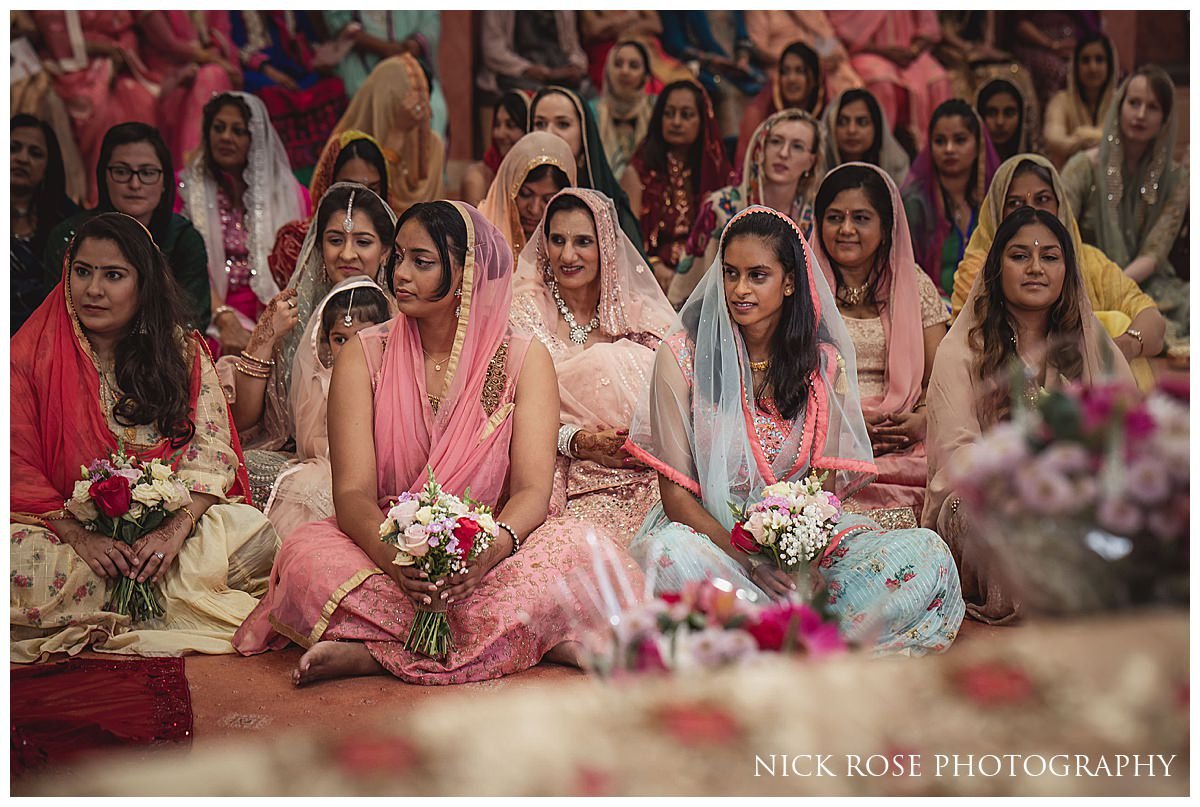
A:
(134, 175)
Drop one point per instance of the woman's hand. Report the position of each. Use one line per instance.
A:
(606, 448)
(415, 584)
(459, 586)
(106, 557)
(233, 337)
(776, 582)
(281, 78)
(276, 320)
(155, 551)
(897, 431)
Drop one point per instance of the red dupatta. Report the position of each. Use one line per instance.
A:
(57, 418)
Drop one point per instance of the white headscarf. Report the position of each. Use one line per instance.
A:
(273, 198)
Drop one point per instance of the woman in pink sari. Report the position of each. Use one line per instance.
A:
(193, 54)
(579, 259)
(890, 51)
(98, 75)
(896, 321)
(446, 385)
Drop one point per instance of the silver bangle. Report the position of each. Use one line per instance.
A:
(513, 534)
(566, 433)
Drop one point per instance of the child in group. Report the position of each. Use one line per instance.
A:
(303, 492)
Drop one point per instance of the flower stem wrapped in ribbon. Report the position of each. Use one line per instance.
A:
(125, 499)
(440, 534)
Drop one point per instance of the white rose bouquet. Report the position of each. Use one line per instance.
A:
(439, 533)
(126, 498)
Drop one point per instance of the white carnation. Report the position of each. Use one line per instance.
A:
(424, 515)
(149, 495)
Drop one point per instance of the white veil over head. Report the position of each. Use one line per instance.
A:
(273, 198)
(696, 423)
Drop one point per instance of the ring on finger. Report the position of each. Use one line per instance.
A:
(159, 555)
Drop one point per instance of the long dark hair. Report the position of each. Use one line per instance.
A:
(516, 104)
(794, 346)
(154, 375)
(653, 150)
(50, 196)
(365, 149)
(1000, 86)
(858, 94)
(993, 335)
(850, 177)
(958, 108)
(813, 63)
(124, 134)
(448, 231)
(211, 110)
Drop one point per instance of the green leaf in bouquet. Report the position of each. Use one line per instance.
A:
(696, 621)
(153, 518)
(1061, 413)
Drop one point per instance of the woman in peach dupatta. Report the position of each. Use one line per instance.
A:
(896, 320)
(600, 379)
(525, 181)
(446, 385)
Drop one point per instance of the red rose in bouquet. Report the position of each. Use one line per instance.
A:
(112, 496)
(743, 540)
(466, 531)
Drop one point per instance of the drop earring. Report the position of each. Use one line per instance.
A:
(458, 308)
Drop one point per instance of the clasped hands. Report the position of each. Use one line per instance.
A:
(895, 431)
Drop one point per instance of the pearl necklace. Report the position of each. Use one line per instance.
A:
(579, 334)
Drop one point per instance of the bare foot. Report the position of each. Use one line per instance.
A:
(567, 653)
(335, 660)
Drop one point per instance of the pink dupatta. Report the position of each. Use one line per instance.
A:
(899, 310)
(466, 441)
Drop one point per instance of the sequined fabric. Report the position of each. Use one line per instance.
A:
(237, 241)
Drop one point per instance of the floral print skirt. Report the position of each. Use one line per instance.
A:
(56, 602)
(896, 590)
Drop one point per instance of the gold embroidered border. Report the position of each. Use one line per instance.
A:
(335, 599)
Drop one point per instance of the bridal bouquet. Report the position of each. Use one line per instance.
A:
(125, 499)
(439, 533)
(791, 524)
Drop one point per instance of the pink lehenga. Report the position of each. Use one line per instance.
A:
(323, 586)
(598, 384)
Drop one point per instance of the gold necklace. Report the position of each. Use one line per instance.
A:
(760, 366)
(853, 295)
(437, 363)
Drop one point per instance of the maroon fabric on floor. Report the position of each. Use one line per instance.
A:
(61, 711)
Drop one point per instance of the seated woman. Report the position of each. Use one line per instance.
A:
(537, 167)
(859, 132)
(80, 368)
(280, 67)
(797, 84)
(135, 177)
(890, 50)
(393, 106)
(1075, 116)
(600, 31)
(895, 319)
(1134, 169)
(1047, 325)
(1010, 115)
(447, 386)
(351, 156)
(771, 32)
(781, 170)
(732, 377)
(238, 191)
(945, 188)
(579, 268)
(561, 112)
(194, 58)
(510, 122)
(349, 236)
(303, 491)
(37, 184)
(679, 163)
(1128, 314)
(625, 105)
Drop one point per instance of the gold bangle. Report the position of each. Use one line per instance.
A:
(263, 363)
(920, 405)
(223, 309)
(244, 370)
(193, 519)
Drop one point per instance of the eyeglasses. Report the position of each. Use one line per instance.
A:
(123, 173)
